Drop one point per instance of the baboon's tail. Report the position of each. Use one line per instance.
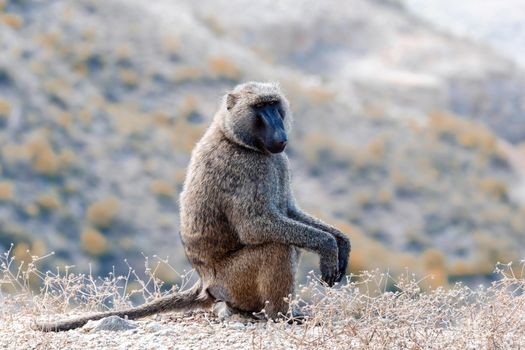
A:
(192, 298)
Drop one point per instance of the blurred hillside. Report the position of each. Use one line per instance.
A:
(410, 139)
(498, 23)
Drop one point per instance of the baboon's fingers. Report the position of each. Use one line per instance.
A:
(343, 265)
(329, 279)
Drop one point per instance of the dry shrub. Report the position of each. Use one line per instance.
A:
(214, 25)
(466, 133)
(85, 116)
(385, 196)
(434, 265)
(31, 210)
(6, 190)
(189, 104)
(67, 157)
(124, 52)
(311, 93)
(64, 120)
(378, 312)
(170, 44)
(493, 186)
(186, 72)
(93, 242)
(224, 67)
(129, 77)
(162, 188)
(12, 20)
(43, 158)
(47, 39)
(185, 134)
(5, 108)
(49, 201)
(103, 212)
(62, 290)
(127, 120)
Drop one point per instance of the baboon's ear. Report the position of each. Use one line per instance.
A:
(231, 99)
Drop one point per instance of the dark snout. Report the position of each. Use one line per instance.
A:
(278, 144)
(274, 134)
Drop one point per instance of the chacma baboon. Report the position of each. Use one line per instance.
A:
(240, 225)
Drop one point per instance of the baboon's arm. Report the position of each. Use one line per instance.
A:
(295, 213)
(259, 224)
(343, 243)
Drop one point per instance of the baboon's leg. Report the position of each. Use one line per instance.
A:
(255, 275)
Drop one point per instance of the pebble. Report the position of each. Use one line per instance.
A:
(236, 325)
(153, 327)
(111, 323)
(164, 333)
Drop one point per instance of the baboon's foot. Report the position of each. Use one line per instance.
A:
(291, 317)
(222, 310)
(297, 317)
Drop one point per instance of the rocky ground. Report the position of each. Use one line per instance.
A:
(193, 331)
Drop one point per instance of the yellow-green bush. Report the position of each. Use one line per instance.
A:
(221, 66)
(466, 133)
(103, 212)
(186, 72)
(5, 108)
(170, 44)
(93, 242)
(6, 190)
(434, 265)
(127, 119)
(493, 186)
(44, 159)
(186, 134)
(162, 188)
(49, 201)
(31, 210)
(12, 20)
(129, 77)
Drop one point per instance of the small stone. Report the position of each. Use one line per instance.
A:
(165, 332)
(153, 327)
(236, 325)
(111, 323)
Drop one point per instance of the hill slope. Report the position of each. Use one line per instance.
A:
(397, 134)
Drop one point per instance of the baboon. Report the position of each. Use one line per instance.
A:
(240, 225)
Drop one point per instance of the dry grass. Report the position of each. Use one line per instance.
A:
(371, 310)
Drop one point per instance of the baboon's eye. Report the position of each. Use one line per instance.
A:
(259, 105)
(259, 122)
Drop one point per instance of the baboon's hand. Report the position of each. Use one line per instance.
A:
(343, 246)
(329, 269)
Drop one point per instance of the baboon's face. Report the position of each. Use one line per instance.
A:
(257, 116)
(268, 126)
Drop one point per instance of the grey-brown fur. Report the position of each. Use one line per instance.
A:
(240, 225)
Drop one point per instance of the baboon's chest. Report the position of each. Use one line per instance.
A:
(277, 184)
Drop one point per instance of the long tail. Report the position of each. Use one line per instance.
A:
(192, 298)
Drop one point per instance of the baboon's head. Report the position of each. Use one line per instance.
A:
(256, 115)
